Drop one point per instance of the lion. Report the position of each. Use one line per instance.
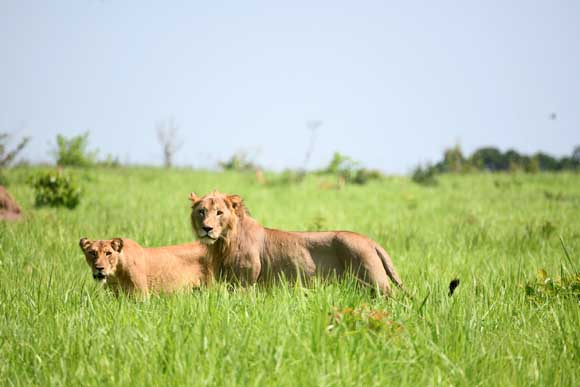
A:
(243, 251)
(123, 265)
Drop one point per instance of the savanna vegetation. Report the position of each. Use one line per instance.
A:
(513, 241)
(494, 160)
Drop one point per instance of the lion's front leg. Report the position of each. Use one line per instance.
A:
(248, 269)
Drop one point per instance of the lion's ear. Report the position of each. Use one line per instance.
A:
(193, 197)
(85, 243)
(117, 244)
(237, 204)
(236, 201)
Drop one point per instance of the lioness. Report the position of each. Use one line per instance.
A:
(122, 264)
(242, 250)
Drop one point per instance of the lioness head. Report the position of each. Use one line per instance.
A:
(214, 215)
(102, 256)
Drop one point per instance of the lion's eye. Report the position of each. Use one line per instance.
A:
(94, 254)
(202, 212)
(219, 212)
(108, 253)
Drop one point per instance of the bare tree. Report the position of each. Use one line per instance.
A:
(313, 126)
(576, 154)
(9, 209)
(167, 136)
(6, 157)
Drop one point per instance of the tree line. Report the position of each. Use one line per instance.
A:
(74, 151)
(494, 160)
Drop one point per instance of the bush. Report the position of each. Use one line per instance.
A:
(453, 160)
(240, 162)
(364, 175)
(73, 151)
(55, 189)
(349, 169)
(424, 176)
(339, 163)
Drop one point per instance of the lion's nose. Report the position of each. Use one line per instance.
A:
(100, 268)
(207, 229)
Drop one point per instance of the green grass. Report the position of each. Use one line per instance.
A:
(492, 231)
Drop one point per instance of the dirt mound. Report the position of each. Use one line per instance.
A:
(9, 209)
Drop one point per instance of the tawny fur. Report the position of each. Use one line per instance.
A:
(123, 265)
(241, 250)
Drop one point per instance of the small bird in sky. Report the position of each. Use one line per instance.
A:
(553, 116)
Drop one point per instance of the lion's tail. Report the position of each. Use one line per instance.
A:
(390, 269)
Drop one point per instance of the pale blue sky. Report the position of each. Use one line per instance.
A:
(395, 82)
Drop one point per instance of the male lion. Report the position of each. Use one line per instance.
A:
(122, 264)
(242, 250)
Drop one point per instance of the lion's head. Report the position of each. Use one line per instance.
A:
(102, 256)
(214, 215)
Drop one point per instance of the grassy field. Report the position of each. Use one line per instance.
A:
(502, 326)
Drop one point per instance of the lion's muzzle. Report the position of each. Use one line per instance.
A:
(99, 276)
(207, 239)
(205, 235)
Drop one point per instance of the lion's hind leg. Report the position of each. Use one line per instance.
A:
(360, 254)
(377, 279)
(369, 271)
(372, 277)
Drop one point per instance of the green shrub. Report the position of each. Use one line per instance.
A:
(349, 169)
(424, 175)
(363, 176)
(240, 162)
(56, 189)
(342, 165)
(73, 151)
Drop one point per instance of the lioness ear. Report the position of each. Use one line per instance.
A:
(117, 244)
(84, 243)
(193, 197)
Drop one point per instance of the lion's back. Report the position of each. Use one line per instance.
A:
(173, 267)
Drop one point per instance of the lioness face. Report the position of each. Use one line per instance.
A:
(213, 215)
(102, 256)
